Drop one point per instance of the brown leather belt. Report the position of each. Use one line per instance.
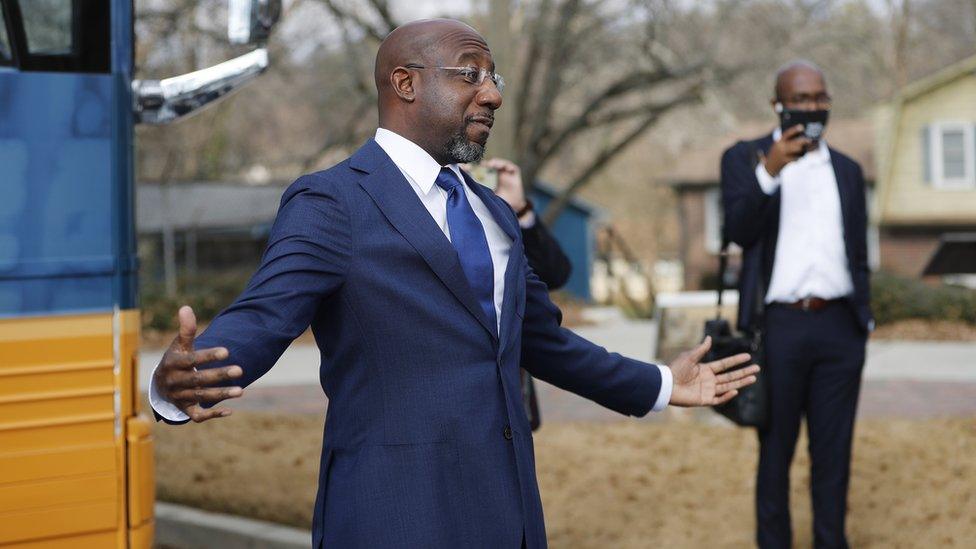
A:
(809, 303)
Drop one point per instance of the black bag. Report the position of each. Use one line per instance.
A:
(529, 399)
(750, 408)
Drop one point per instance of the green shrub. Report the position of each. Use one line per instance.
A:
(896, 298)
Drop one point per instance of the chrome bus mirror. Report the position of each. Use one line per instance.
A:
(163, 101)
(250, 21)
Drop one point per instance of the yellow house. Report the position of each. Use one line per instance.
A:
(925, 147)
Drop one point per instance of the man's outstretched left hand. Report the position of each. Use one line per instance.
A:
(704, 384)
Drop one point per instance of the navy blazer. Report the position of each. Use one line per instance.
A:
(426, 441)
(752, 222)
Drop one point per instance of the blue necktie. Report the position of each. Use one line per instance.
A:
(468, 238)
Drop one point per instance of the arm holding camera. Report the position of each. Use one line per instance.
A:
(545, 255)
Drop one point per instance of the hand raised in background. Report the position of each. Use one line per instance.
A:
(791, 145)
(509, 188)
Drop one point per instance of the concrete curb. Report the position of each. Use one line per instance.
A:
(182, 527)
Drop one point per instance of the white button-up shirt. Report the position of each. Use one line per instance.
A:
(811, 259)
(421, 171)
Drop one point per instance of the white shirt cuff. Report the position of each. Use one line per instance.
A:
(164, 408)
(667, 384)
(527, 220)
(768, 183)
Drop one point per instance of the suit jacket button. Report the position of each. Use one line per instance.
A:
(507, 432)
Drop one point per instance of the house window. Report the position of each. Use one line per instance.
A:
(952, 155)
(57, 35)
(6, 56)
(47, 24)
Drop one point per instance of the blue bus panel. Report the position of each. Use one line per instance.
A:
(67, 238)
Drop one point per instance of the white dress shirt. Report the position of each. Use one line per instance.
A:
(421, 170)
(811, 259)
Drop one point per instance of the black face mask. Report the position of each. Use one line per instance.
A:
(813, 122)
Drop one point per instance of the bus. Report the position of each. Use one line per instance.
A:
(76, 451)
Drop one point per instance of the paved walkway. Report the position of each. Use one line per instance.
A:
(907, 379)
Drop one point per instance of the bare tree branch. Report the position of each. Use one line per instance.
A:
(337, 137)
(593, 119)
(343, 14)
(360, 81)
(559, 203)
(382, 9)
(553, 71)
(529, 67)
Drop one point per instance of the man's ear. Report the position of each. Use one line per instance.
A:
(401, 80)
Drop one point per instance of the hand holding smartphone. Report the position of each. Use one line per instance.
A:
(813, 122)
(792, 145)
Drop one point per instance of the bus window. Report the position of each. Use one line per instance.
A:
(61, 35)
(6, 57)
(47, 26)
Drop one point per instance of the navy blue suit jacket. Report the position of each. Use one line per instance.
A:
(426, 440)
(752, 222)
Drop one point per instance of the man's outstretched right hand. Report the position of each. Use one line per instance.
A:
(699, 383)
(177, 380)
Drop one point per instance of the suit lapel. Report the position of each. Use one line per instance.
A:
(767, 251)
(510, 300)
(844, 191)
(504, 218)
(400, 205)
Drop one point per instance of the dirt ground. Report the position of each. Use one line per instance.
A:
(903, 330)
(621, 484)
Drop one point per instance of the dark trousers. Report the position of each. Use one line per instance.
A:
(814, 361)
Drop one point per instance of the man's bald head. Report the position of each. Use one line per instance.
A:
(420, 42)
(432, 88)
(797, 73)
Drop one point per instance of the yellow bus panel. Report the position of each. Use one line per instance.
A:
(75, 463)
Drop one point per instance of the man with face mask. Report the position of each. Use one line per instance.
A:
(413, 279)
(797, 208)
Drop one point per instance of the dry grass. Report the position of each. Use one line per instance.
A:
(250, 464)
(621, 485)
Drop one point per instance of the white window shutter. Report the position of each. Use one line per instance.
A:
(712, 202)
(927, 154)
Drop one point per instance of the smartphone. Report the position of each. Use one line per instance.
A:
(484, 175)
(813, 122)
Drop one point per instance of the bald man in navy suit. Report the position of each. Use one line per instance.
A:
(413, 279)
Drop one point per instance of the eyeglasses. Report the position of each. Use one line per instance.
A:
(820, 101)
(472, 75)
